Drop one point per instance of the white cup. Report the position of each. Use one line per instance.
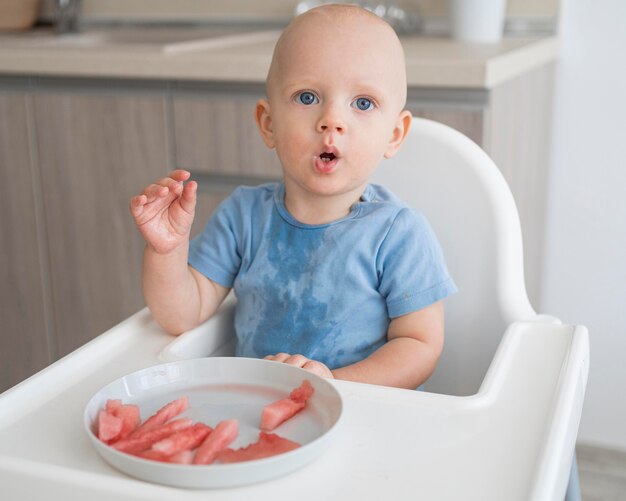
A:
(477, 20)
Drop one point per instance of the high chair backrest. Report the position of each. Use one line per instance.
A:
(455, 184)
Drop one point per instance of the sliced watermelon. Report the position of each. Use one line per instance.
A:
(268, 444)
(144, 440)
(183, 457)
(153, 455)
(224, 433)
(112, 405)
(186, 439)
(303, 392)
(109, 426)
(130, 416)
(165, 413)
(280, 411)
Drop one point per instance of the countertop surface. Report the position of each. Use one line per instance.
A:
(244, 56)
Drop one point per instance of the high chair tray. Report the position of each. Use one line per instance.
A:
(513, 440)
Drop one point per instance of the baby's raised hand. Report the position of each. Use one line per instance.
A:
(313, 366)
(164, 211)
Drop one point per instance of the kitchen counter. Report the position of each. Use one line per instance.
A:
(245, 57)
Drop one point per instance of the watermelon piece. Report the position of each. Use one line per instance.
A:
(130, 416)
(303, 392)
(278, 412)
(144, 440)
(186, 439)
(224, 433)
(109, 426)
(165, 413)
(268, 444)
(183, 457)
(112, 405)
(153, 455)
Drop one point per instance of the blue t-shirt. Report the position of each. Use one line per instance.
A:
(326, 291)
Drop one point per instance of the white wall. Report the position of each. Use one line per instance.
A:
(585, 265)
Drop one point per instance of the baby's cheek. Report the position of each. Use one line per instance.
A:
(292, 150)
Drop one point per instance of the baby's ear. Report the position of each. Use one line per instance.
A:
(264, 122)
(399, 133)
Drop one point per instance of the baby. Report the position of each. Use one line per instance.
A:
(331, 273)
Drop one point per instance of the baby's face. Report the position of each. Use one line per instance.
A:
(336, 91)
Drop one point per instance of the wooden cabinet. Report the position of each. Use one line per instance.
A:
(215, 133)
(71, 158)
(96, 150)
(25, 342)
(518, 137)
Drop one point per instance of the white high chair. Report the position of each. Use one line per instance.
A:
(467, 201)
(462, 193)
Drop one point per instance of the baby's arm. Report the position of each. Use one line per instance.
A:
(407, 360)
(179, 297)
(414, 345)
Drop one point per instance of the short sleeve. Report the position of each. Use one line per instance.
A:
(411, 266)
(214, 252)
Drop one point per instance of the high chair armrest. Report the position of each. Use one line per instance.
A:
(214, 337)
(530, 354)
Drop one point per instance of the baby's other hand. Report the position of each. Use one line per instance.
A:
(313, 366)
(164, 211)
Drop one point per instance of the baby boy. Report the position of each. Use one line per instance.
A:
(331, 273)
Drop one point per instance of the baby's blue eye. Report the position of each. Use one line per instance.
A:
(306, 98)
(363, 103)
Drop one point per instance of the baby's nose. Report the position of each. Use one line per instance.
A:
(331, 121)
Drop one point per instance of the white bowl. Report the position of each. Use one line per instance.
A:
(222, 388)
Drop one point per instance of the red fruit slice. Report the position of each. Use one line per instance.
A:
(112, 405)
(183, 457)
(269, 444)
(130, 416)
(109, 426)
(303, 392)
(165, 413)
(144, 440)
(153, 455)
(280, 411)
(186, 439)
(224, 433)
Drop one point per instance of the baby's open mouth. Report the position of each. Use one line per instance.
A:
(327, 161)
(327, 157)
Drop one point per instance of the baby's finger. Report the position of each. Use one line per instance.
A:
(296, 360)
(137, 203)
(279, 357)
(188, 198)
(180, 174)
(318, 368)
(155, 191)
(172, 184)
